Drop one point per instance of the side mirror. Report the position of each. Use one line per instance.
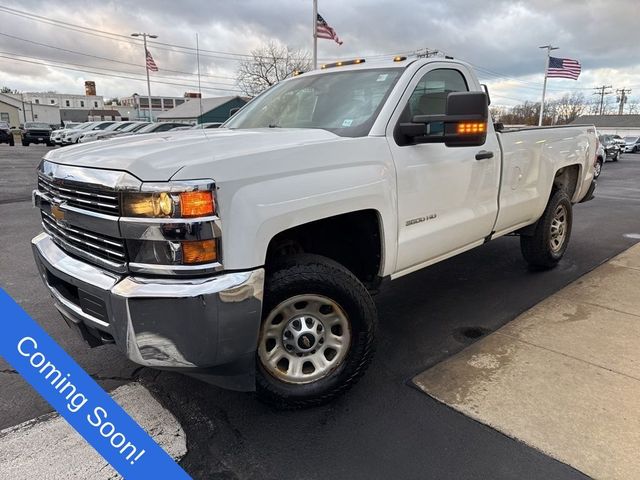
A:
(463, 124)
(233, 111)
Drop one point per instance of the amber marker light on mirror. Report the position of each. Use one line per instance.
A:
(201, 251)
(471, 127)
(197, 204)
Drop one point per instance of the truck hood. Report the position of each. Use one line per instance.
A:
(159, 156)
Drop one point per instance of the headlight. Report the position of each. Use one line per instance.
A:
(200, 203)
(185, 252)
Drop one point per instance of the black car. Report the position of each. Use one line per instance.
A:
(6, 135)
(36, 132)
(611, 147)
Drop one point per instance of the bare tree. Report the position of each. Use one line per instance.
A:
(566, 109)
(268, 65)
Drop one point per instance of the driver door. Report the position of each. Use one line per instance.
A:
(447, 199)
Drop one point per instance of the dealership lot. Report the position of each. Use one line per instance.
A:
(384, 427)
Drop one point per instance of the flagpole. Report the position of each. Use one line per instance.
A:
(315, 34)
(144, 36)
(544, 86)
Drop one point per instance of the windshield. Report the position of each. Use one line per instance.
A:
(345, 103)
(148, 128)
(36, 125)
(630, 139)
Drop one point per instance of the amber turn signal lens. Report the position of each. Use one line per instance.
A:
(471, 127)
(196, 204)
(202, 251)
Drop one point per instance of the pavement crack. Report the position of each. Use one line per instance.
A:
(9, 371)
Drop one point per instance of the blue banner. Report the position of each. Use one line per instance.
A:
(79, 399)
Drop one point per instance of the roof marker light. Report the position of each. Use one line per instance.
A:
(399, 58)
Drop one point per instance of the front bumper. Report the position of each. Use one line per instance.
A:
(207, 327)
(36, 138)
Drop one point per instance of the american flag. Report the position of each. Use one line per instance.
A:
(563, 68)
(151, 65)
(323, 30)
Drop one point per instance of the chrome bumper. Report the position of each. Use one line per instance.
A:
(187, 324)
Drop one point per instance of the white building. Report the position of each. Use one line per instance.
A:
(64, 101)
(31, 111)
(137, 106)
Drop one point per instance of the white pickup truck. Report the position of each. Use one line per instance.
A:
(247, 255)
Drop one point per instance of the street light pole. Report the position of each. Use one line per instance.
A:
(146, 66)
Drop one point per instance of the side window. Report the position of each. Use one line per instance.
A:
(430, 95)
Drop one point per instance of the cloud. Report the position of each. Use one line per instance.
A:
(501, 37)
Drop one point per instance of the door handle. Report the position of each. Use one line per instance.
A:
(484, 154)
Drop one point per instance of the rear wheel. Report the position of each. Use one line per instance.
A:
(317, 334)
(25, 144)
(550, 239)
(597, 169)
(12, 142)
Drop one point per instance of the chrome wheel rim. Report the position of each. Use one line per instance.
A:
(304, 339)
(597, 169)
(558, 228)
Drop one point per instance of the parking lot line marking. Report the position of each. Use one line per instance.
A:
(48, 447)
(564, 377)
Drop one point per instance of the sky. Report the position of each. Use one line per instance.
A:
(500, 38)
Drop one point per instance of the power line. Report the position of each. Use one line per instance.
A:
(32, 57)
(114, 75)
(125, 39)
(105, 58)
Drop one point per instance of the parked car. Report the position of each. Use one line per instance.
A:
(92, 135)
(73, 135)
(611, 147)
(631, 144)
(56, 134)
(6, 135)
(601, 157)
(131, 128)
(36, 132)
(161, 127)
(247, 256)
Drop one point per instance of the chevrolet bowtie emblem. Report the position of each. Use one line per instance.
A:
(57, 212)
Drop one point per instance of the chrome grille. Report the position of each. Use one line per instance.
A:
(109, 251)
(81, 197)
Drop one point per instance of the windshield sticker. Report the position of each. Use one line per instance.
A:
(382, 77)
(347, 122)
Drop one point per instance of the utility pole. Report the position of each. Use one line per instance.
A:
(622, 98)
(146, 66)
(602, 92)
(544, 85)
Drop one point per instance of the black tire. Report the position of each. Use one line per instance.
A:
(12, 142)
(537, 249)
(305, 274)
(616, 157)
(597, 169)
(25, 144)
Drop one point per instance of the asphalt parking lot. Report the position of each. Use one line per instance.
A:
(384, 427)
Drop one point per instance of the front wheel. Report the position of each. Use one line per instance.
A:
(12, 142)
(317, 334)
(550, 239)
(616, 156)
